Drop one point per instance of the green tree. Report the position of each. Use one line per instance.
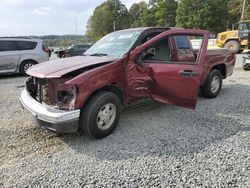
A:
(203, 14)
(100, 23)
(140, 15)
(247, 11)
(235, 10)
(109, 16)
(164, 12)
(120, 14)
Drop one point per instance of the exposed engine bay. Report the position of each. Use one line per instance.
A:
(53, 92)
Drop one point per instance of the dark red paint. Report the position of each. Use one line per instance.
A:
(161, 82)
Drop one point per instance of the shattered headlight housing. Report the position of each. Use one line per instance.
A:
(66, 96)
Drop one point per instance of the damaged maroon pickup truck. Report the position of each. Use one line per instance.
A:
(88, 92)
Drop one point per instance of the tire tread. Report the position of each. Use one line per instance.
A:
(89, 109)
(206, 89)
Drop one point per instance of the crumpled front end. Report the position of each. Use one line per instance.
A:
(52, 102)
(52, 92)
(49, 94)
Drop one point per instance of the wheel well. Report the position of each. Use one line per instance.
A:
(114, 88)
(222, 69)
(26, 61)
(228, 40)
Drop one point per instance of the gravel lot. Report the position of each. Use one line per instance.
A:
(153, 145)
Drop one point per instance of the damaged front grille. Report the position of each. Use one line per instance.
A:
(52, 92)
(43, 93)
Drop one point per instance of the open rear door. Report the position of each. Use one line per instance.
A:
(168, 69)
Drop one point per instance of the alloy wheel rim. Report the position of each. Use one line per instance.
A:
(215, 84)
(27, 66)
(106, 116)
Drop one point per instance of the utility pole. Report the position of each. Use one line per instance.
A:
(116, 16)
(243, 10)
(76, 26)
(114, 24)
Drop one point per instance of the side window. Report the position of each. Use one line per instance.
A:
(26, 45)
(183, 51)
(176, 49)
(7, 46)
(243, 26)
(160, 51)
(182, 42)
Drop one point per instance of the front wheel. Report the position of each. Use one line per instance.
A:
(101, 114)
(213, 84)
(233, 46)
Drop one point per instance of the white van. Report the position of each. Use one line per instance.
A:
(18, 54)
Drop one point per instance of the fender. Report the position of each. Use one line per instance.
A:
(231, 38)
(227, 60)
(93, 80)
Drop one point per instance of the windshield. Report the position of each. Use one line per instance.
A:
(114, 44)
(244, 26)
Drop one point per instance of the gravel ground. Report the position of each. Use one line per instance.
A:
(153, 145)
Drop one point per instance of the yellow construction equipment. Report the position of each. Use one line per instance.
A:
(235, 40)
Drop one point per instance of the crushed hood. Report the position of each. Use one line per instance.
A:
(60, 67)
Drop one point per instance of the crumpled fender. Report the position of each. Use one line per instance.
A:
(97, 78)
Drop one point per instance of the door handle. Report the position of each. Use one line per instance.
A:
(189, 73)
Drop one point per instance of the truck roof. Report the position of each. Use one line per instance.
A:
(246, 21)
(147, 28)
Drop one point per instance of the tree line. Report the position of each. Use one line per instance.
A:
(62, 40)
(212, 15)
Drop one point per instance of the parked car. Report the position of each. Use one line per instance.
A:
(246, 62)
(18, 54)
(73, 50)
(51, 49)
(88, 92)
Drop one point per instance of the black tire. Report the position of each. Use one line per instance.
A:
(25, 65)
(90, 114)
(245, 68)
(240, 51)
(60, 54)
(233, 46)
(209, 89)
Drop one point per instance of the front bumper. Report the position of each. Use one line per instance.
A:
(61, 121)
(246, 63)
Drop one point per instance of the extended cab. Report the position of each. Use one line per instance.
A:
(87, 92)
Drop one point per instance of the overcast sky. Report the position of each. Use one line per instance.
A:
(43, 17)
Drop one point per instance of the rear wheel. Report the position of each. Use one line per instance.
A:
(25, 66)
(213, 84)
(101, 114)
(233, 46)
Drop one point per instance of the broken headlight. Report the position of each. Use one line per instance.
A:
(66, 97)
